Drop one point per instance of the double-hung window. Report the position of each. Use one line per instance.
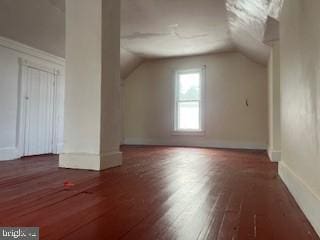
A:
(188, 101)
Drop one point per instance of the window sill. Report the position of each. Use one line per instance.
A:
(188, 133)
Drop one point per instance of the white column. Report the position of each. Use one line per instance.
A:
(92, 119)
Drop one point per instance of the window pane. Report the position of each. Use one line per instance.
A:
(189, 86)
(188, 116)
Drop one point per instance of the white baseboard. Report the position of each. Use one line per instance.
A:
(188, 142)
(12, 153)
(308, 201)
(275, 156)
(88, 161)
(9, 153)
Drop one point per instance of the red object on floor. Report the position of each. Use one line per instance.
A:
(68, 184)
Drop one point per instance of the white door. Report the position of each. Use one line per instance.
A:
(39, 112)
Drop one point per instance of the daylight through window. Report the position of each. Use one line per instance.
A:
(188, 100)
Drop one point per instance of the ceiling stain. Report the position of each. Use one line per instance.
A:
(174, 32)
(59, 4)
(173, 28)
(143, 35)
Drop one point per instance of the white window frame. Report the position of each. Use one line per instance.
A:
(201, 130)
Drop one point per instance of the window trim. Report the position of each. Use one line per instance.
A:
(200, 131)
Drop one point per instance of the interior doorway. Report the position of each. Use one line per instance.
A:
(38, 110)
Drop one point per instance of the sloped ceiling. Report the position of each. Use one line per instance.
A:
(36, 23)
(154, 28)
(171, 28)
(247, 20)
(128, 62)
(252, 24)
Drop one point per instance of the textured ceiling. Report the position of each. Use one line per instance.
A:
(247, 22)
(168, 28)
(171, 28)
(155, 28)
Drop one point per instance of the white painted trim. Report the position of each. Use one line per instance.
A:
(80, 161)
(46, 67)
(308, 201)
(8, 153)
(176, 141)
(275, 156)
(32, 57)
(22, 48)
(21, 108)
(188, 133)
(88, 161)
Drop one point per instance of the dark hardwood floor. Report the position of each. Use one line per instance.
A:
(158, 193)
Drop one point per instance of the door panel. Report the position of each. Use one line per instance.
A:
(39, 118)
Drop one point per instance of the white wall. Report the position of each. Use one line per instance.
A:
(300, 104)
(274, 147)
(10, 53)
(231, 79)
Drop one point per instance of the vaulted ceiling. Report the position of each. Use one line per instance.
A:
(167, 28)
(153, 28)
(171, 28)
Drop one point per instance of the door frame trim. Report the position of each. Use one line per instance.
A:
(24, 64)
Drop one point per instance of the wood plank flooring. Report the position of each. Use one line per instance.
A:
(158, 193)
